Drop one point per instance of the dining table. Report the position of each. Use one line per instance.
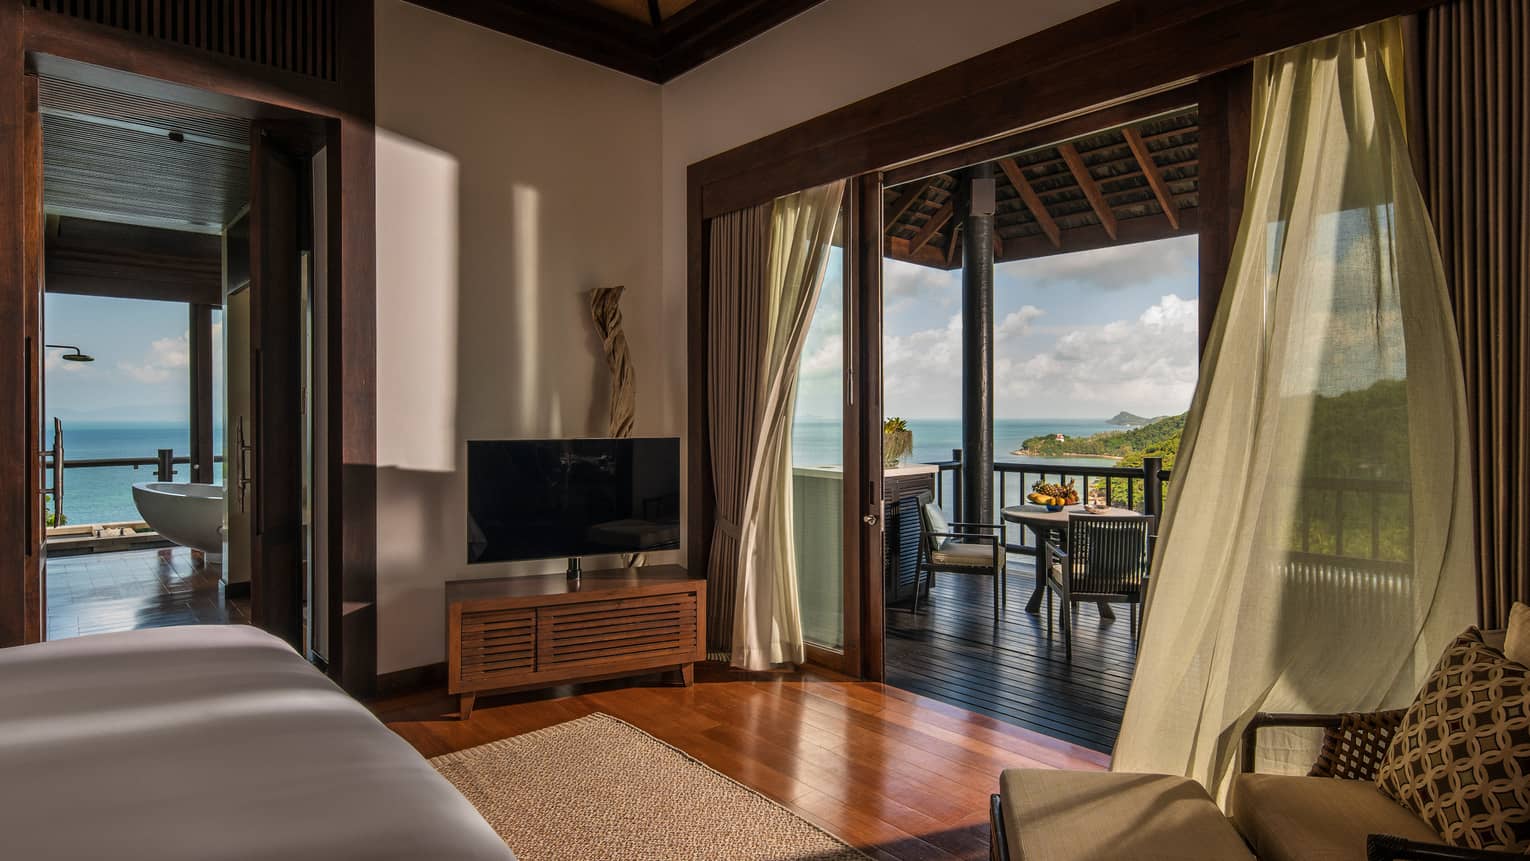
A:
(1049, 525)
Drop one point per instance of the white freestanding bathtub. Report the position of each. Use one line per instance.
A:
(188, 514)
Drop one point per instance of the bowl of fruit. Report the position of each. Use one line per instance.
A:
(1053, 496)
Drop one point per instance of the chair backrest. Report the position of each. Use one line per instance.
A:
(1108, 552)
(931, 520)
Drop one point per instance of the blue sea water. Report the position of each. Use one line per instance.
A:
(105, 494)
(819, 442)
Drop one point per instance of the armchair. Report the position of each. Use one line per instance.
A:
(1352, 750)
(960, 548)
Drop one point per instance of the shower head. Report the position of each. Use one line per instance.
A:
(74, 354)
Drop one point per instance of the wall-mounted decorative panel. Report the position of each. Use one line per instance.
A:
(292, 35)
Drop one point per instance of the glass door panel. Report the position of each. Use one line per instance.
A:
(818, 458)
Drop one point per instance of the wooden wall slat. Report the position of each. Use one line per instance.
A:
(292, 35)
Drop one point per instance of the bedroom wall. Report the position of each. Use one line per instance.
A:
(510, 181)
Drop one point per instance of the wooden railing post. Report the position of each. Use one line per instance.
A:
(165, 468)
(1152, 486)
(956, 486)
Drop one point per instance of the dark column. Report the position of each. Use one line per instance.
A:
(201, 394)
(975, 204)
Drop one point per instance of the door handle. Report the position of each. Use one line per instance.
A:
(869, 519)
(242, 463)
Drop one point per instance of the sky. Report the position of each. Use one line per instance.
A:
(1082, 335)
(142, 371)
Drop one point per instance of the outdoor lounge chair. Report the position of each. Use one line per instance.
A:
(960, 548)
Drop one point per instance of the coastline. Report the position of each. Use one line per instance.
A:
(1025, 452)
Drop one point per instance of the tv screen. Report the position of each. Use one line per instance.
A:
(541, 499)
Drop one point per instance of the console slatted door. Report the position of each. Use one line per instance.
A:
(498, 646)
(654, 629)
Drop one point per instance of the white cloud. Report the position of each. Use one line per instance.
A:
(164, 356)
(1109, 268)
(1017, 323)
(904, 284)
(1147, 364)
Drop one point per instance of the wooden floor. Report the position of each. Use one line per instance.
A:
(952, 652)
(101, 592)
(897, 775)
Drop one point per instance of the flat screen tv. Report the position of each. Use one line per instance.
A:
(549, 498)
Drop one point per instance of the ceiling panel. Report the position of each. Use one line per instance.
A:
(120, 157)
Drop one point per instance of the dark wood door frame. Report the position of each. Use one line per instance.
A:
(277, 204)
(1132, 49)
(34, 39)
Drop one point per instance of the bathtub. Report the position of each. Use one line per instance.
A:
(188, 514)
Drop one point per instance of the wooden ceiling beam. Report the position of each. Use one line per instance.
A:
(1031, 199)
(931, 227)
(953, 243)
(906, 200)
(1091, 189)
(896, 248)
(1154, 178)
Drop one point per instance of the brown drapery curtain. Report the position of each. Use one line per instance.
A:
(739, 253)
(1475, 124)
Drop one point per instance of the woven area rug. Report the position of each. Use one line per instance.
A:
(598, 787)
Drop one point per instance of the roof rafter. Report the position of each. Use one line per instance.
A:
(1091, 189)
(1151, 173)
(906, 200)
(931, 227)
(1032, 200)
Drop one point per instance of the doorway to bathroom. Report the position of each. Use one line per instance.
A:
(181, 293)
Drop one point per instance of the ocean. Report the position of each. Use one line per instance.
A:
(105, 494)
(819, 442)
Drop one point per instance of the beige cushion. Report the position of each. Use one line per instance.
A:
(1460, 759)
(1288, 818)
(953, 553)
(1101, 816)
(1516, 642)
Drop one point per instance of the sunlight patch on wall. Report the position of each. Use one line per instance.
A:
(417, 297)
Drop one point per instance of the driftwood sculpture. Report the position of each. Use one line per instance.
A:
(606, 309)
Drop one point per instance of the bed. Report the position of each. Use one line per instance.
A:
(210, 742)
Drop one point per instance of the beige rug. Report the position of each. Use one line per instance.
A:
(598, 788)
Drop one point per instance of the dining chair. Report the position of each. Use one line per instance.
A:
(1106, 560)
(960, 548)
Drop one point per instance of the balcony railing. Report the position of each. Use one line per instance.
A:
(1350, 520)
(164, 463)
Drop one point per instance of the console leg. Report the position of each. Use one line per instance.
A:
(687, 675)
(465, 705)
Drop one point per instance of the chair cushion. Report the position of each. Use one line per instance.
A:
(1103, 816)
(1460, 759)
(955, 554)
(1286, 818)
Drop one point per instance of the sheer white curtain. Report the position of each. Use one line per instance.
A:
(1316, 551)
(767, 615)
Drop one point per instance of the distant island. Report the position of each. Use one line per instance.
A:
(1155, 438)
(1125, 419)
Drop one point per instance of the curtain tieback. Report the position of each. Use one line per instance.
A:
(726, 527)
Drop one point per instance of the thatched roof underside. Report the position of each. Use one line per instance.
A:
(1131, 184)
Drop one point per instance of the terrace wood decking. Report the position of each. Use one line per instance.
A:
(952, 652)
(124, 591)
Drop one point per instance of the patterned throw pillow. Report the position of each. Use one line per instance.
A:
(1461, 757)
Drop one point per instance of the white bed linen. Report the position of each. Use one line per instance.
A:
(210, 742)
